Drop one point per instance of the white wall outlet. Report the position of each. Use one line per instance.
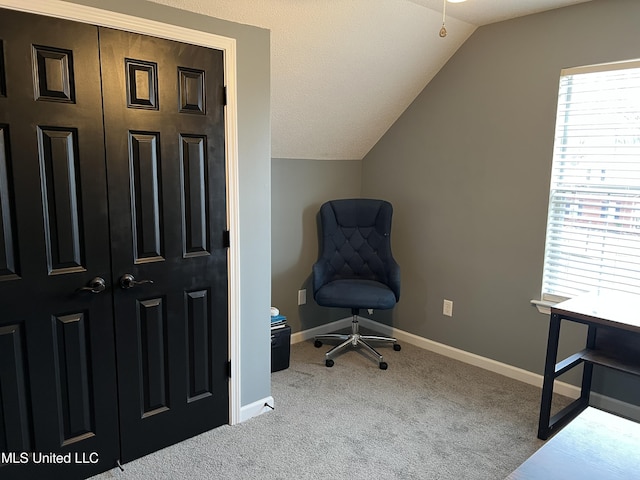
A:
(302, 297)
(370, 310)
(447, 308)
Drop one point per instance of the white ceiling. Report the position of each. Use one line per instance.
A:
(342, 71)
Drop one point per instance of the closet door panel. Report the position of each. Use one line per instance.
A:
(164, 126)
(8, 243)
(15, 421)
(59, 396)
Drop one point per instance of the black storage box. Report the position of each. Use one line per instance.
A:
(280, 347)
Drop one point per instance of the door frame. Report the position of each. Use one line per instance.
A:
(105, 18)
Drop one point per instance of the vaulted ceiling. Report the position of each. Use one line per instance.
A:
(343, 71)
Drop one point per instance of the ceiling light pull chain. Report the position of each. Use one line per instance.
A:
(443, 30)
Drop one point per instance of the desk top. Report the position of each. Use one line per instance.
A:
(594, 446)
(615, 309)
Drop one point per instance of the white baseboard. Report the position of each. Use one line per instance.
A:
(597, 400)
(256, 408)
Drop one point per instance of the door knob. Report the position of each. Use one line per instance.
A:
(96, 285)
(129, 281)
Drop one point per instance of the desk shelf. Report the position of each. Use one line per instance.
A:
(599, 357)
(611, 360)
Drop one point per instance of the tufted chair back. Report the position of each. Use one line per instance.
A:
(355, 244)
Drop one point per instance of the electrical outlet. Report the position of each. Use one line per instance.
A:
(302, 297)
(370, 310)
(447, 308)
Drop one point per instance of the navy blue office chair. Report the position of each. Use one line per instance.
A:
(356, 268)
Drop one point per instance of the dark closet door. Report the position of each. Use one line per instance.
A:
(164, 127)
(57, 361)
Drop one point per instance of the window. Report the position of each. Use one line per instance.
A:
(593, 226)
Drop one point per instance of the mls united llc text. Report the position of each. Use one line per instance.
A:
(39, 457)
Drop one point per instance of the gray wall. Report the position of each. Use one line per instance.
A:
(254, 147)
(467, 167)
(298, 189)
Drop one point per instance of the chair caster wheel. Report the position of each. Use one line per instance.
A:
(329, 363)
(397, 347)
(317, 344)
(383, 365)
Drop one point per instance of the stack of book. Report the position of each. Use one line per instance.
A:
(278, 321)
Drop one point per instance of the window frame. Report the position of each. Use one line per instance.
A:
(550, 296)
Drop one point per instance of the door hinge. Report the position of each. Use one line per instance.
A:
(226, 239)
(229, 368)
(224, 96)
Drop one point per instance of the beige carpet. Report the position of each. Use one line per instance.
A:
(426, 417)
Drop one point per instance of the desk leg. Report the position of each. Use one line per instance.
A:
(587, 372)
(549, 377)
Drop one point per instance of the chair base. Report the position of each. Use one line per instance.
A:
(355, 339)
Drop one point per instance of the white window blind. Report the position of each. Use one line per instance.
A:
(593, 227)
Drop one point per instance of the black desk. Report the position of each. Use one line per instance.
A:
(613, 340)
(594, 446)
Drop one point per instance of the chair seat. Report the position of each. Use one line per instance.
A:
(356, 293)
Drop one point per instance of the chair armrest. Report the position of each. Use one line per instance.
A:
(320, 275)
(394, 278)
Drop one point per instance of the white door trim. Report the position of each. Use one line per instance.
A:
(104, 18)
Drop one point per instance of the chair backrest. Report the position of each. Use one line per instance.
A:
(355, 242)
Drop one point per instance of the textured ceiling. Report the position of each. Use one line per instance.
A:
(342, 71)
